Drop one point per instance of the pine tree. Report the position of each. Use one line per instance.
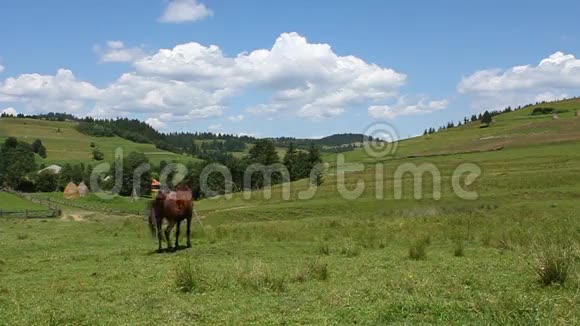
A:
(290, 160)
(486, 118)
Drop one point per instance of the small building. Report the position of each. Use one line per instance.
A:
(54, 168)
(155, 186)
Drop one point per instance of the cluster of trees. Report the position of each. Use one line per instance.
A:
(48, 181)
(540, 111)
(17, 164)
(228, 145)
(264, 159)
(141, 132)
(38, 148)
(340, 148)
(332, 143)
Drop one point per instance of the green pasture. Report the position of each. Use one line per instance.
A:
(373, 259)
(10, 202)
(65, 144)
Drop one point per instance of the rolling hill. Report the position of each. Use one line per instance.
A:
(331, 259)
(510, 130)
(65, 144)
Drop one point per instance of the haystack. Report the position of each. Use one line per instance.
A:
(83, 189)
(71, 191)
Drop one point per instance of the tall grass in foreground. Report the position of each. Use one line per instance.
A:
(189, 277)
(459, 248)
(552, 262)
(418, 248)
(258, 276)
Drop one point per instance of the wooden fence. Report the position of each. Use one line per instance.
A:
(54, 204)
(87, 207)
(43, 213)
(51, 211)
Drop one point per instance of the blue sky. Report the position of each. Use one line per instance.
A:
(294, 68)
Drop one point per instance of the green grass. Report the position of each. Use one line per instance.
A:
(328, 260)
(9, 202)
(71, 146)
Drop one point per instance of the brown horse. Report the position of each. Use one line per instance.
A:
(174, 207)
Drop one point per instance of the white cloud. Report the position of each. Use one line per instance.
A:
(215, 127)
(1, 68)
(236, 118)
(206, 112)
(265, 109)
(156, 123)
(180, 11)
(115, 51)
(403, 108)
(63, 91)
(306, 78)
(9, 111)
(193, 81)
(550, 79)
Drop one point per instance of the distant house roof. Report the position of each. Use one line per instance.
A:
(54, 168)
(155, 183)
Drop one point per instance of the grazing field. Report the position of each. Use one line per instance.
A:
(511, 256)
(64, 144)
(9, 202)
(325, 260)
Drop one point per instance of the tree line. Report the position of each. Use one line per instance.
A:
(485, 119)
(185, 142)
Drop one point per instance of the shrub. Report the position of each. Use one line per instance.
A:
(552, 262)
(98, 155)
(418, 249)
(350, 249)
(319, 271)
(46, 181)
(189, 278)
(313, 270)
(459, 251)
(22, 236)
(486, 239)
(540, 111)
(259, 277)
(324, 249)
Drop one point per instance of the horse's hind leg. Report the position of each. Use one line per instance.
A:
(159, 235)
(168, 229)
(177, 235)
(189, 232)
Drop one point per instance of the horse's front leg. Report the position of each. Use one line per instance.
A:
(177, 235)
(188, 232)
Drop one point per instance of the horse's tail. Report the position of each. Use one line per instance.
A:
(152, 211)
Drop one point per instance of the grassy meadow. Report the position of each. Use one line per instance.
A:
(328, 260)
(9, 202)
